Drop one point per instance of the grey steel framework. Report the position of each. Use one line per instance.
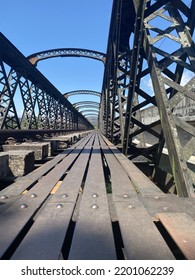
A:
(66, 52)
(151, 41)
(19, 76)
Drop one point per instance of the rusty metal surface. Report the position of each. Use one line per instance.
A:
(168, 203)
(141, 238)
(181, 227)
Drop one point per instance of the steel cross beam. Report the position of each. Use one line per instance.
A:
(66, 52)
(18, 75)
(150, 54)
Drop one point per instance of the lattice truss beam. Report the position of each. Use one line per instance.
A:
(43, 107)
(151, 62)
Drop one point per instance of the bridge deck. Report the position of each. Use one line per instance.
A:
(91, 202)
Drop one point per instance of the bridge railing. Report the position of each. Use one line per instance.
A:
(44, 107)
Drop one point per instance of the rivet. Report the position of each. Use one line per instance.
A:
(165, 208)
(125, 195)
(4, 197)
(65, 195)
(94, 206)
(95, 195)
(130, 206)
(23, 206)
(33, 195)
(59, 205)
(156, 197)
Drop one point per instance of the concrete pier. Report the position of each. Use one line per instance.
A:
(20, 162)
(40, 149)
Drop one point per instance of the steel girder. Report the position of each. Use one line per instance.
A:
(151, 43)
(66, 52)
(19, 76)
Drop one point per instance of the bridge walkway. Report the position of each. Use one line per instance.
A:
(93, 203)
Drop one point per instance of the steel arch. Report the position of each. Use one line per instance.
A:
(77, 92)
(89, 111)
(87, 103)
(66, 52)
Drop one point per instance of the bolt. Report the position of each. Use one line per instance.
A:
(94, 195)
(23, 206)
(65, 195)
(94, 206)
(59, 205)
(125, 195)
(131, 206)
(156, 197)
(4, 197)
(33, 195)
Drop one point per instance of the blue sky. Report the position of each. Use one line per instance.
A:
(38, 25)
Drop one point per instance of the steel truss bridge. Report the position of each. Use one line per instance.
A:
(148, 41)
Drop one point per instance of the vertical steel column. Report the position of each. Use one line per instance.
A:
(133, 71)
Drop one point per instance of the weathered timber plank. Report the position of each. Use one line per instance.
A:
(142, 241)
(141, 182)
(122, 187)
(93, 238)
(181, 227)
(45, 238)
(141, 238)
(14, 218)
(25, 182)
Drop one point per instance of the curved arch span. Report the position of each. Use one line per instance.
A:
(87, 103)
(75, 92)
(87, 107)
(66, 52)
(91, 115)
(89, 111)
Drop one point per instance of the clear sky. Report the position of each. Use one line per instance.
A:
(38, 25)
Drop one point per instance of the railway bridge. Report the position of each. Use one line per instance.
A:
(104, 195)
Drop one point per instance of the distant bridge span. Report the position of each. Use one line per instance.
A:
(75, 92)
(66, 52)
